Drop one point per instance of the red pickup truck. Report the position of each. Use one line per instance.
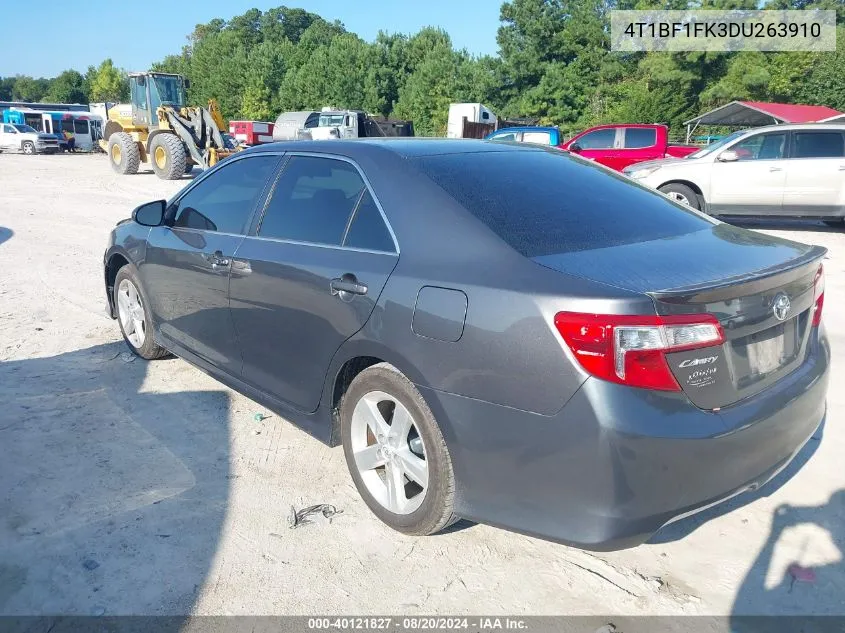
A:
(620, 145)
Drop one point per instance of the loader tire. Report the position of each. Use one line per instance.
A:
(123, 153)
(167, 155)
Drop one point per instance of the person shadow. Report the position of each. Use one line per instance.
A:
(787, 580)
(113, 486)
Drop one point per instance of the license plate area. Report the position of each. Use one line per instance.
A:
(762, 354)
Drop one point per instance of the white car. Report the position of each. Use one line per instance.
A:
(779, 170)
(26, 139)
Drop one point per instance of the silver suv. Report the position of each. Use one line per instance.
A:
(779, 170)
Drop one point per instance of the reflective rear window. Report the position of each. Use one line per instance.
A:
(546, 202)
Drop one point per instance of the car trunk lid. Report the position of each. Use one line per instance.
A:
(743, 278)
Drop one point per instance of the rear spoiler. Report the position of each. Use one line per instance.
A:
(748, 283)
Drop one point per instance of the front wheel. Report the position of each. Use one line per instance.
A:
(168, 156)
(28, 147)
(395, 452)
(134, 316)
(124, 156)
(681, 193)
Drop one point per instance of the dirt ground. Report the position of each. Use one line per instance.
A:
(129, 487)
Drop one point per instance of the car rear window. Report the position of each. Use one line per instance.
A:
(547, 202)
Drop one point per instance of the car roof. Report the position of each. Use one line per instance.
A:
(798, 126)
(403, 147)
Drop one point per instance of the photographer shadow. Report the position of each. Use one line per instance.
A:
(114, 492)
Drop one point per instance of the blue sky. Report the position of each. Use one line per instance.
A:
(135, 34)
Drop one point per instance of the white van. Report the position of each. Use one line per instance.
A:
(474, 113)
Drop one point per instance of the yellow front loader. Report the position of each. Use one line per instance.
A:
(157, 127)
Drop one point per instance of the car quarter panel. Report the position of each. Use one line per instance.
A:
(629, 460)
(508, 351)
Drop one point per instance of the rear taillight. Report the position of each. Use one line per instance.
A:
(818, 296)
(631, 350)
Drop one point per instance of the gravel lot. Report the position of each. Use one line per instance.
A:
(149, 488)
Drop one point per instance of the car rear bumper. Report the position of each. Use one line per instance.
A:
(618, 463)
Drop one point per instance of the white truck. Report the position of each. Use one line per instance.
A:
(472, 112)
(344, 124)
(23, 138)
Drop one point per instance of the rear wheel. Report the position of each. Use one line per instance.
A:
(167, 154)
(28, 147)
(681, 193)
(395, 452)
(123, 153)
(133, 314)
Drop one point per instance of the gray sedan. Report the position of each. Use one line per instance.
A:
(503, 333)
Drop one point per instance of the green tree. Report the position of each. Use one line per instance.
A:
(29, 89)
(7, 88)
(68, 87)
(108, 83)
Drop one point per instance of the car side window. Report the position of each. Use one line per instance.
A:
(538, 138)
(818, 145)
(640, 137)
(761, 147)
(598, 139)
(507, 136)
(312, 201)
(8, 129)
(224, 200)
(367, 229)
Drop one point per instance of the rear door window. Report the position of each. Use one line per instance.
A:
(538, 138)
(818, 145)
(576, 206)
(224, 201)
(367, 229)
(762, 147)
(640, 137)
(312, 201)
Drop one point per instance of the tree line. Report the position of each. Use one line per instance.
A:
(554, 64)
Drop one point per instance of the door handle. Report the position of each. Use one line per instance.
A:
(347, 285)
(775, 168)
(217, 260)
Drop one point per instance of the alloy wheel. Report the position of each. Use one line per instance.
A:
(678, 197)
(389, 452)
(130, 310)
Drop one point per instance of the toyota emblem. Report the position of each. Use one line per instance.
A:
(781, 306)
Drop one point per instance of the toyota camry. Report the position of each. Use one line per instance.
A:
(504, 333)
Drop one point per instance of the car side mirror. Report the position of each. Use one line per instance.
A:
(150, 213)
(728, 156)
(187, 84)
(575, 148)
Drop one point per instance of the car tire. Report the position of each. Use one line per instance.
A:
(167, 156)
(124, 156)
(374, 399)
(681, 194)
(134, 316)
(28, 148)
